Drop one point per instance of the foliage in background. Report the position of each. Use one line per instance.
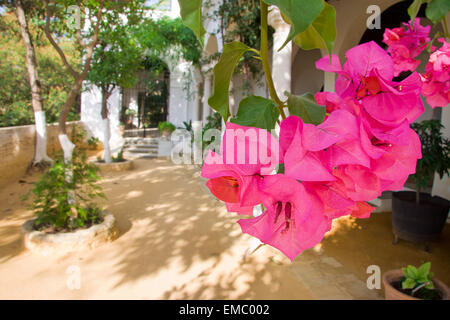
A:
(212, 122)
(165, 125)
(60, 203)
(15, 94)
(116, 60)
(435, 153)
(241, 21)
(167, 36)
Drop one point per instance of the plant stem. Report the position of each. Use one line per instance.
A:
(264, 54)
(419, 287)
(444, 22)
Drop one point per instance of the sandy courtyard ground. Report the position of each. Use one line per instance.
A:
(177, 242)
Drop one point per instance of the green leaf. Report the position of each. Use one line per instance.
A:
(411, 272)
(408, 284)
(306, 108)
(191, 14)
(437, 9)
(321, 34)
(430, 286)
(414, 8)
(223, 71)
(300, 13)
(423, 270)
(257, 112)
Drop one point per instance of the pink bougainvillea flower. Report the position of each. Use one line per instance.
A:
(294, 219)
(394, 167)
(406, 43)
(362, 210)
(377, 139)
(332, 102)
(367, 77)
(402, 59)
(436, 80)
(312, 151)
(247, 154)
(392, 36)
(395, 101)
(236, 207)
(361, 184)
(251, 150)
(299, 162)
(229, 184)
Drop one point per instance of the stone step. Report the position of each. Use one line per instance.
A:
(145, 146)
(143, 150)
(136, 155)
(141, 140)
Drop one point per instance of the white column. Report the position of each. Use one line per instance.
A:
(441, 187)
(206, 95)
(133, 105)
(281, 60)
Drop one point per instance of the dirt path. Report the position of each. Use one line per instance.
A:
(177, 242)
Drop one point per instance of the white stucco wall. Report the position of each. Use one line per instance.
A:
(91, 105)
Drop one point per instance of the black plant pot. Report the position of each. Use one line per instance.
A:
(419, 223)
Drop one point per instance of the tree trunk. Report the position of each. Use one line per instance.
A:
(105, 123)
(40, 154)
(67, 145)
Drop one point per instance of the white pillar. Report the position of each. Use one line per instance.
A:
(206, 95)
(133, 105)
(441, 187)
(281, 60)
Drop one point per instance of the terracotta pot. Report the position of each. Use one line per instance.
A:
(390, 293)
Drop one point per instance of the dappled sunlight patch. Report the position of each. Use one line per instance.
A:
(160, 209)
(342, 224)
(134, 194)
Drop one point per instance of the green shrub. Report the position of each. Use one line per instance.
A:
(213, 122)
(64, 197)
(119, 157)
(435, 154)
(165, 125)
(93, 142)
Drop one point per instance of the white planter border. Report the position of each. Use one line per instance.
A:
(116, 166)
(64, 242)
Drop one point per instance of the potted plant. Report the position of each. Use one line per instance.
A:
(166, 128)
(418, 216)
(413, 283)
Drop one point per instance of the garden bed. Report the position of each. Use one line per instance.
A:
(46, 243)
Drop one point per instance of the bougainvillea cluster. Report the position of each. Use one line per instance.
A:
(406, 43)
(313, 174)
(436, 79)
